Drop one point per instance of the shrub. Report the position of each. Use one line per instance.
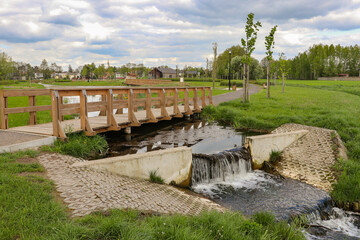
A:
(232, 82)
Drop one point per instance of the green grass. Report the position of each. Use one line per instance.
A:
(81, 146)
(275, 156)
(155, 177)
(29, 211)
(316, 104)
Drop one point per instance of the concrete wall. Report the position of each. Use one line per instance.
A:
(171, 164)
(261, 146)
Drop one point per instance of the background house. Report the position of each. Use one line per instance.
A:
(162, 73)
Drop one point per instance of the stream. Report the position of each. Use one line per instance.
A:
(222, 172)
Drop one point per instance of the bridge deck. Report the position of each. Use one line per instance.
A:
(99, 123)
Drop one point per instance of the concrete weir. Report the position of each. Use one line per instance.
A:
(173, 165)
(261, 146)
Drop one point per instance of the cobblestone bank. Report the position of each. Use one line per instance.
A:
(85, 190)
(311, 158)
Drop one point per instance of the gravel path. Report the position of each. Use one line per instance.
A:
(235, 94)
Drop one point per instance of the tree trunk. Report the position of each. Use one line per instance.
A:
(244, 84)
(247, 83)
(267, 82)
(283, 82)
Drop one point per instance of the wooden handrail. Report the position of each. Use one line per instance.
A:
(112, 98)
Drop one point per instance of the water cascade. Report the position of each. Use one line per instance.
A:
(222, 166)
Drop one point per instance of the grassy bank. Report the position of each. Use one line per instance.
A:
(327, 104)
(28, 210)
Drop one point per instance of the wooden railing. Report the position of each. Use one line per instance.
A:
(112, 99)
(32, 108)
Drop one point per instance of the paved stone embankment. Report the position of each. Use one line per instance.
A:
(86, 190)
(311, 158)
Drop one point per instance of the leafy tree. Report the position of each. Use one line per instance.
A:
(45, 70)
(70, 69)
(248, 43)
(6, 66)
(269, 45)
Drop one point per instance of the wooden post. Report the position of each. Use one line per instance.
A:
(164, 113)
(135, 105)
(56, 112)
(196, 106)
(111, 121)
(149, 114)
(103, 112)
(177, 111)
(83, 109)
(85, 124)
(131, 115)
(186, 101)
(203, 98)
(120, 110)
(32, 118)
(4, 124)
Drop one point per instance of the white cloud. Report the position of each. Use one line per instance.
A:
(175, 32)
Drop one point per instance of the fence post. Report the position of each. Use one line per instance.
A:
(186, 102)
(131, 115)
(164, 113)
(149, 114)
(32, 118)
(196, 106)
(3, 117)
(203, 98)
(55, 112)
(83, 109)
(85, 124)
(176, 104)
(103, 112)
(111, 121)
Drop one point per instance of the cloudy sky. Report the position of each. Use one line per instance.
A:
(171, 32)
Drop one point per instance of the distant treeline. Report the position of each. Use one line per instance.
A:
(325, 61)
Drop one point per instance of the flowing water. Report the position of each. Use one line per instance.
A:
(227, 178)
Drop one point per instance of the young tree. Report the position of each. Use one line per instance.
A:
(283, 69)
(70, 69)
(214, 64)
(6, 66)
(251, 30)
(269, 44)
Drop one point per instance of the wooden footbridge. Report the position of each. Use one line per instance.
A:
(119, 108)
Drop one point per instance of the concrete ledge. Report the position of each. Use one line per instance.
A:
(27, 145)
(173, 165)
(261, 146)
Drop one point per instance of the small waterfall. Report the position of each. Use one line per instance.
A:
(221, 166)
(333, 223)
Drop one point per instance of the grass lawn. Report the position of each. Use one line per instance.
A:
(28, 210)
(327, 104)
